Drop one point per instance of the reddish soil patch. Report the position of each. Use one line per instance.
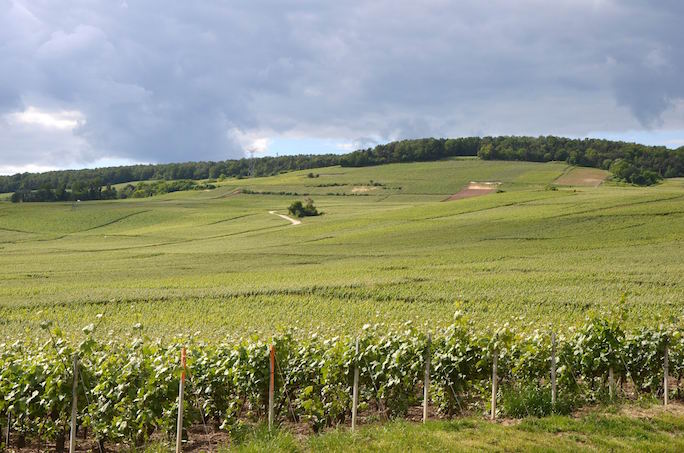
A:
(474, 189)
(583, 177)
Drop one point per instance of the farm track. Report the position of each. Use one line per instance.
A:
(112, 222)
(174, 242)
(621, 205)
(57, 238)
(228, 195)
(161, 244)
(290, 219)
(11, 230)
(489, 208)
(568, 214)
(230, 219)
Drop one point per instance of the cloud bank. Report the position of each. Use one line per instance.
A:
(83, 82)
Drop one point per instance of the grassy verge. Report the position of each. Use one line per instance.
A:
(604, 431)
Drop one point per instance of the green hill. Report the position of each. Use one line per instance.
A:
(388, 248)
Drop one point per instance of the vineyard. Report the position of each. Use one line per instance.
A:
(127, 392)
(395, 253)
(539, 271)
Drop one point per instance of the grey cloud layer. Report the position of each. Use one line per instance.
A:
(167, 81)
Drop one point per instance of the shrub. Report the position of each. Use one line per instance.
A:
(299, 209)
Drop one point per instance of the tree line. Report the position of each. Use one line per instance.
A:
(240, 168)
(629, 162)
(423, 149)
(93, 190)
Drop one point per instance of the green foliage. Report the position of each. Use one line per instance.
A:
(643, 165)
(425, 149)
(81, 190)
(93, 191)
(215, 263)
(299, 209)
(74, 179)
(128, 389)
(527, 401)
(143, 189)
(637, 164)
(625, 171)
(597, 429)
(215, 258)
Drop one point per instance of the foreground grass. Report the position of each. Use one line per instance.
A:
(602, 431)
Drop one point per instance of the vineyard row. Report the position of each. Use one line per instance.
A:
(126, 391)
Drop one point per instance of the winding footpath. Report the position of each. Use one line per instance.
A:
(293, 221)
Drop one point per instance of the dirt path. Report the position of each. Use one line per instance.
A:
(293, 221)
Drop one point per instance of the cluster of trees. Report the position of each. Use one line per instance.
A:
(630, 162)
(143, 189)
(307, 209)
(93, 190)
(423, 149)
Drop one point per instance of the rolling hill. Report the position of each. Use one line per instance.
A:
(387, 249)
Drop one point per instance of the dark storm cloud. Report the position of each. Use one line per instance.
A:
(648, 69)
(170, 81)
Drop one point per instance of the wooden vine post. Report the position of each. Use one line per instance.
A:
(553, 369)
(666, 377)
(74, 407)
(9, 424)
(495, 359)
(611, 383)
(271, 387)
(181, 388)
(426, 385)
(355, 389)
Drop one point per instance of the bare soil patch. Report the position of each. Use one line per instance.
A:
(475, 189)
(363, 189)
(583, 177)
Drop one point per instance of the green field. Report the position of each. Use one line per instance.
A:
(216, 262)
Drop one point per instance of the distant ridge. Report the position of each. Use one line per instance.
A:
(631, 162)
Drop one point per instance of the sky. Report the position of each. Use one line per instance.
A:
(86, 83)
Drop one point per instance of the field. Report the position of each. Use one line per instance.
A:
(394, 256)
(576, 176)
(388, 249)
(651, 430)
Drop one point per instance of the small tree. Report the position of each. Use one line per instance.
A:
(299, 209)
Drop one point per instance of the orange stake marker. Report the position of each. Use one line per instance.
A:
(183, 361)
